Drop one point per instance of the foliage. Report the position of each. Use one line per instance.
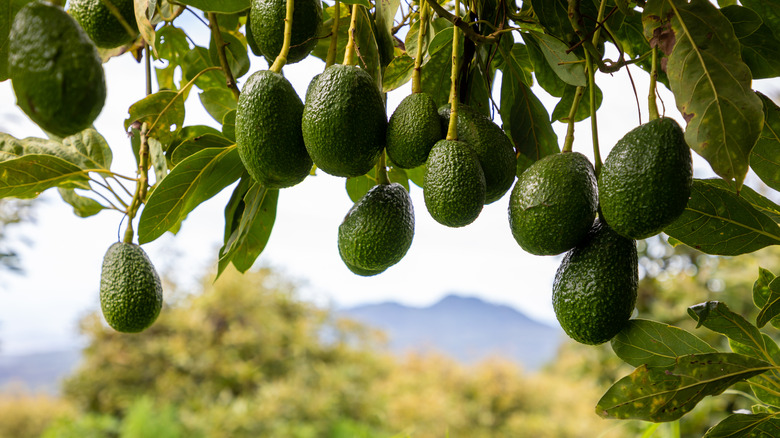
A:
(12, 211)
(29, 415)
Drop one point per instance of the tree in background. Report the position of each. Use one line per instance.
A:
(12, 211)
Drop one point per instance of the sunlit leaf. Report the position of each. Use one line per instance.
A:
(771, 308)
(762, 291)
(82, 205)
(397, 73)
(746, 426)
(229, 125)
(765, 158)
(543, 73)
(145, 27)
(364, 3)
(717, 317)
(197, 60)
(221, 6)
(29, 175)
(764, 385)
(565, 64)
(171, 44)
(218, 102)
(87, 149)
(652, 343)
(162, 111)
(197, 144)
(358, 186)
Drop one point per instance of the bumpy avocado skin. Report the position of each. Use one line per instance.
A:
(553, 204)
(130, 289)
(268, 27)
(55, 70)
(101, 24)
(412, 131)
(344, 121)
(268, 131)
(454, 184)
(646, 180)
(595, 287)
(494, 149)
(378, 230)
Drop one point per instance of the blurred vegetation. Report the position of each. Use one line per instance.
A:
(246, 357)
(12, 212)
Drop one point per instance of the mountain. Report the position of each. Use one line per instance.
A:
(465, 328)
(38, 372)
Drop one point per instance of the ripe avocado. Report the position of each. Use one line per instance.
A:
(268, 131)
(130, 289)
(268, 27)
(412, 131)
(646, 180)
(101, 24)
(553, 204)
(494, 149)
(377, 231)
(55, 69)
(454, 184)
(344, 121)
(595, 287)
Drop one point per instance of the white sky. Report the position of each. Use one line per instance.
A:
(40, 310)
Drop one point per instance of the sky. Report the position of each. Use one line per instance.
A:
(39, 309)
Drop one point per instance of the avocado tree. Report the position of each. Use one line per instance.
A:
(446, 139)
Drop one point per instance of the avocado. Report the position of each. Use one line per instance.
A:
(412, 131)
(268, 131)
(454, 184)
(377, 231)
(55, 69)
(130, 289)
(646, 179)
(553, 203)
(595, 287)
(100, 23)
(494, 149)
(344, 121)
(268, 17)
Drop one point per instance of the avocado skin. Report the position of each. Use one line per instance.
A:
(646, 179)
(378, 230)
(553, 204)
(344, 121)
(268, 131)
(55, 70)
(267, 24)
(101, 25)
(453, 184)
(412, 131)
(595, 287)
(494, 149)
(130, 289)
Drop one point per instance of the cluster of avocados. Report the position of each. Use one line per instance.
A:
(558, 204)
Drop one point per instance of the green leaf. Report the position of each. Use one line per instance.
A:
(171, 44)
(667, 393)
(82, 206)
(197, 60)
(526, 120)
(771, 308)
(544, 74)
(765, 158)
(562, 109)
(717, 317)
(417, 175)
(194, 180)
(768, 10)
(229, 125)
(760, 47)
(515, 62)
(746, 426)
(762, 291)
(29, 175)
(87, 149)
(397, 73)
(567, 66)
(162, 111)
(651, 343)
(196, 144)
(710, 82)
(8, 10)
(756, 200)
(157, 159)
(717, 221)
(358, 186)
(235, 52)
(364, 3)
(435, 77)
(222, 6)
(218, 102)
(764, 386)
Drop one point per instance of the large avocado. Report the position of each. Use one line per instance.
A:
(267, 27)
(454, 184)
(100, 23)
(412, 131)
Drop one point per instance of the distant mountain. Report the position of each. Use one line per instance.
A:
(465, 328)
(38, 372)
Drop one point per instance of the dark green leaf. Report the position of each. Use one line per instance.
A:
(651, 343)
(762, 291)
(171, 44)
(218, 102)
(197, 144)
(197, 60)
(768, 10)
(755, 199)
(162, 111)
(772, 307)
(567, 66)
(717, 221)
(82, 206)
(235, 52)
(31, 174)
(765, 158)
(747, 426)
(417, 175)
(364, 3)
(194, 180)
(410, 41)
(8, 10)
(397, 73)
(222, 6)
(562, 109)
(717, 317)
(544, 74)
(436, 74)
(525, 120)
(667, 393)
(516, 63)
(764, 386)
(760, 47)
(743, 20)
(229, 125)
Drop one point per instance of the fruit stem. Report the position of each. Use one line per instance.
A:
(594, 126)
(349, 52)
(281, 58)
(381, 170)
(569, 141)
(148, 64)
(141, 186)
(334, 36)
(452, 129)
(652, 105)
(421, 31)
(223, 62)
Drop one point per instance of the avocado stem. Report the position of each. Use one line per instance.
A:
(349, 51)
(452, 129)
(281, 58)
(223, 62)
(142, 185)
(652, 105)
(334, 36)
(421, 31)
(381, 170)
(569, 141)
(594, 126)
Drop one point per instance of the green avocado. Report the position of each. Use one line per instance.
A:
(412, 131)
(130, 289)
(267, 25)
(100, 23)
(494, 149)
(454, 184)
(595, 287)
(553, 204)
(55, 70)
(344, 121)
(268, 131)
(646, 179)
(377, 231)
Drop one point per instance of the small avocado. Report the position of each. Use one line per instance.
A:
(130, 289)
(646, 179)
(55, 69)
(412, 131)
(100, 23)
(268, 17)
(553, 203)
(377, 231)
(454, 184)
(595, 287)
(494, 149)
(268, 131)
(344, 121)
